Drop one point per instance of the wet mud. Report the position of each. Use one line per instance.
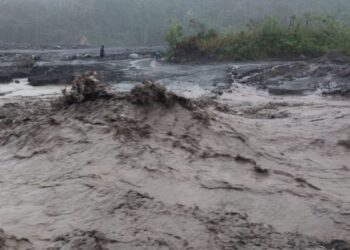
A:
(60, 66)
(326, 75)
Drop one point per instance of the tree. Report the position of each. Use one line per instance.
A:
(174, 35)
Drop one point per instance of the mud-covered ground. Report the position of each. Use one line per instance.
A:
(235, 168)
(59, 66)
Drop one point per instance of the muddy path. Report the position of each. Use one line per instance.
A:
(239, 169)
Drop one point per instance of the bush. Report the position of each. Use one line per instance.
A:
(309, 36)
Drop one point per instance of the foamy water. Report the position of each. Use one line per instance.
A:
(21, 87)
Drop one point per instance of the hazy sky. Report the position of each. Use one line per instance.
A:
(137, 22)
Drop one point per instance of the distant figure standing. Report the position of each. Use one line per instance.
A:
(102, 51)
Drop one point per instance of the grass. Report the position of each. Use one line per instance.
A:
(308, 36)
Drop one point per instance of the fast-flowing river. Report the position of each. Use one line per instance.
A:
(140, 176)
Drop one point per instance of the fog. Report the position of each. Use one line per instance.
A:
(139, 22)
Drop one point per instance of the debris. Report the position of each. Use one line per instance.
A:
(344, 143)
(343, 90)
(78, 239)
(150, 92)
(87, 55)
(304, 183)
(221, 184)
(72, 57)
(259, 170)
(86, 88)
(9, 242)
(36, 57)
(243, 159)
(338, 245)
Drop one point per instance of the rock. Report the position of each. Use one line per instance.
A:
(5, 79)
(334, 57)
(340, 90)
(72, 57)
(65, 73)
(330, 73)
(43, 80)
(284, 91)
(24, 61)
(344, 72)
(36, 57)
(299, 86)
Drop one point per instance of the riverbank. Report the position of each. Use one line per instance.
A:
(58, 67)
(304, 37)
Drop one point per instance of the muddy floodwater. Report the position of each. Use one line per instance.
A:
(257, 158)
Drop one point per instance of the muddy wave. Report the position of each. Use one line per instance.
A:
(132, 171)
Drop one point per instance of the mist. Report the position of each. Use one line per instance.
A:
(175, 124)
(140, 22)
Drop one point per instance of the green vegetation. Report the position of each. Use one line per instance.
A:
(308, 36)
(173, 35)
